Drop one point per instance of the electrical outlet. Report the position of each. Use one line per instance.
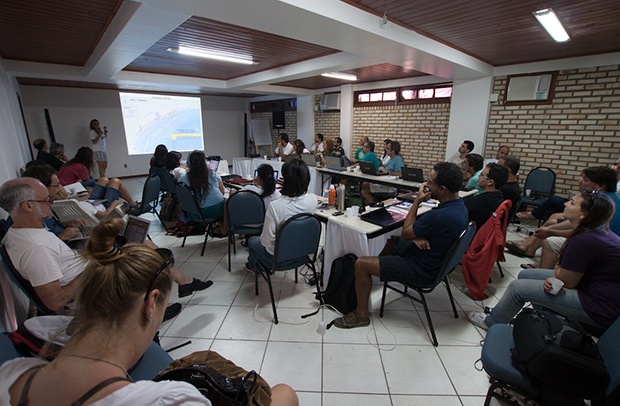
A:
(125, 165)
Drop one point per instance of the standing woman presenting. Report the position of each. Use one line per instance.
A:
(98, 138)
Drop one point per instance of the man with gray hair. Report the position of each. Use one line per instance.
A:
(48, 157)
(51, 267)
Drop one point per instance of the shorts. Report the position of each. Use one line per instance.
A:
(100, 156)
(556, 243)
(402, 266)
(109, 194)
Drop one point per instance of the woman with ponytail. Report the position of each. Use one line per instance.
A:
(122, 299)
(588, 268)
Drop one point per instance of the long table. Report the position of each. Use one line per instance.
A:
(388, 180)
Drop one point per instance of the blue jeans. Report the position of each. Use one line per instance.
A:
(257, 251)
(529, 288)
(108, 193)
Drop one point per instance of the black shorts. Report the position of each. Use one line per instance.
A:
(402, 266)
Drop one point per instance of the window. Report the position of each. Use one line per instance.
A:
(404, 95)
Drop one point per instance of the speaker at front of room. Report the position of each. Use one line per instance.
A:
(278, 120)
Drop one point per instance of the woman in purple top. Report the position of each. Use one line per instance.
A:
(588, 266)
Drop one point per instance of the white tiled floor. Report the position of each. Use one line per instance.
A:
(391, 362)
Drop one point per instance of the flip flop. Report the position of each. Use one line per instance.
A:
(515, 250)
(525, 215)
(528, 266)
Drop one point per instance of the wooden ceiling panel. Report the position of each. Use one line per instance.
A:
(62, 32)
(506, 32)
(268, 50)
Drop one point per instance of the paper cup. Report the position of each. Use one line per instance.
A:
(556, 285)
(264, 156)
(279, 159)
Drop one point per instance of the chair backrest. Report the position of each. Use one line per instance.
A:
(610, 353)
(186, 200)
(150, 192)
(245, 208)
(23, 283)
(456, 252)
(513, 209)
(297, 237)
(540, 181)
(168, 184)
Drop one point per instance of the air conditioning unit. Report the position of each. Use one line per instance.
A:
(330, 101)
(524, 88)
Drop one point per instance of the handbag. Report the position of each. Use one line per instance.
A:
(219, 380)
(219, 389)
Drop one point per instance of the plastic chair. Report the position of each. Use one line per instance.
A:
(23, 283)
(246, 215)
(456, 252)
(150, 197)
(190, 206)
(168, 184)
(497, 362)
(540, 182)
(297, 242)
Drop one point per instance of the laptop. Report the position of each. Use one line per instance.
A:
(368, 168)
(385, 216)
(309, 159)
(136, 229)
(66, 210)
(213, 165)
(334, 163)
(412, 174)
(275, 175)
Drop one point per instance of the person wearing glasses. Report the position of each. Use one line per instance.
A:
(480, 207)
(588, 267)
(43, 259)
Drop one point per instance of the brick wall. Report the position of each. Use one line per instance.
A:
(421, 129)
(579, 129)
(290, 124)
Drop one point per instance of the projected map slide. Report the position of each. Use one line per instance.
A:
(151, 119)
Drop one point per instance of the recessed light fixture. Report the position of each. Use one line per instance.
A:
(339, 75)
(212, 55)
(550, 22)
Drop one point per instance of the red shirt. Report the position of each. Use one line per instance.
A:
(72, 173)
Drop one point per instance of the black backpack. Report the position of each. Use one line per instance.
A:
(340, 291)
(555, 352)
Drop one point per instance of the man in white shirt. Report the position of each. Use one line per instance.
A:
(318, 144)
(51, 267)
(501, 151)
(284, 147)
(465, 148)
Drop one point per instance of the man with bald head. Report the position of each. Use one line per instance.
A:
(51, 267)
(49, 264)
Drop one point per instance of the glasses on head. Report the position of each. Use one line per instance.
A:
(168, 258)
(48, 200)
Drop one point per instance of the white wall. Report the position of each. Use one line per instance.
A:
(72, 109)
(469, 114)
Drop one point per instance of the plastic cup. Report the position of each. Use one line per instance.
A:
(279, 159)
(556, 285)
(356, 209)
(264, 156)
(349, 169)
(350, 212)
(528, 192)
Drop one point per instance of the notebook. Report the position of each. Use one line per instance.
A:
(368, 168)
(136, 229)
(412, 174)
(334, 163)
(309, 159)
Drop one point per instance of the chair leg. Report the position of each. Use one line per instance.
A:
(233, 243)
(383, 299)
(229, 242)
(185, 231)
(428, 318)
(204, 244)
(445, 280)
(296, 279)
(273, 299)
(501, 272)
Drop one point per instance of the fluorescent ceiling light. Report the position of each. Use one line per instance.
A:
(550, 22)
(212, 55)
(339, 75)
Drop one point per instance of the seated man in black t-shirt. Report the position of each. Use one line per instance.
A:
(480, 207)
(511, 189)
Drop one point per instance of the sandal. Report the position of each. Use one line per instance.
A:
(525, 215)
(515, 250)
(528, 266)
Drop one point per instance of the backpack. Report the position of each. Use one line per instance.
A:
(340, 291)
(557, 353)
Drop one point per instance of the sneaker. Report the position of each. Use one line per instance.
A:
(478, 319)
(172, 311)
(247, 268)
(351, 320)
(195, 286)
